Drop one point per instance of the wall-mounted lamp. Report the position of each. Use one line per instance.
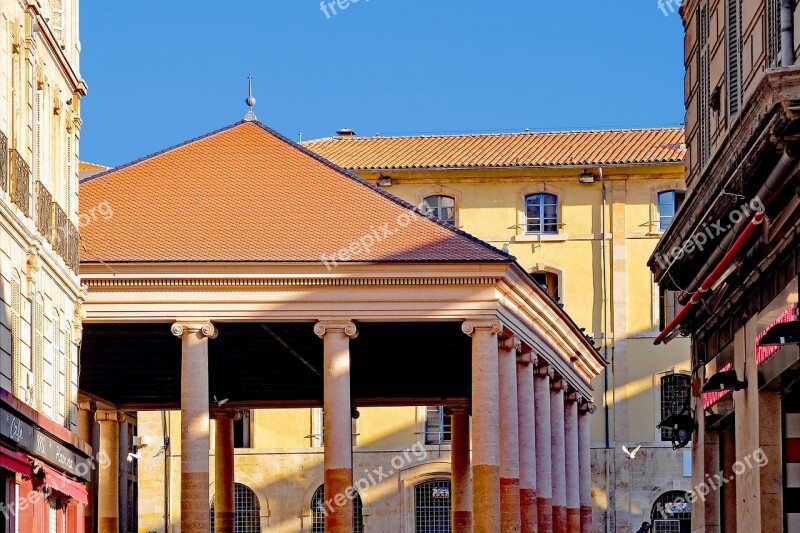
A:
(384, 181)
(780, 334)
(586, 177)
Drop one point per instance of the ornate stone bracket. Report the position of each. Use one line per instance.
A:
(525, 357)
(510, 343)
(323, 327)
(559, 384)
(587, 407)
(545, 370)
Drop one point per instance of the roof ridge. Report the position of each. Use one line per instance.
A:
(382, 192)
(501, 134)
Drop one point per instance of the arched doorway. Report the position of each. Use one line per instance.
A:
(248, 513)
(672, 513)
(318, 512)
(432, 507)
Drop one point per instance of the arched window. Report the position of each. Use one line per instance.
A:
(318, 512)
(674, 398)
(668, 204)
(245, 505)
(541, 213)
(442, 207)
(432, 507)
(672, 513)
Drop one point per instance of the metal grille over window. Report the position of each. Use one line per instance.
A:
(437, 426)
(432, 507)
(674, 398)
(442, 207)
(672, 513)
(541, 213)
(318, 511)
(247, 511)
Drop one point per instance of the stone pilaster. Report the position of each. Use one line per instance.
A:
(108, 476)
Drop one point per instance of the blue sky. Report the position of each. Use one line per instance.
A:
(161, 72)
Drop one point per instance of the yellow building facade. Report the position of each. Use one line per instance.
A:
(581, 211)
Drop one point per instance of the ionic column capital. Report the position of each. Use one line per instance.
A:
(323, 327)
(226, 414)
(206, 329)
(525, 356)
(87, 406)
(544, 370)
(587, 407)
(109, 416)
(510, 343)
(470, 326)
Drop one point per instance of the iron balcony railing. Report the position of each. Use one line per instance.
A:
(3, 161)
(44, 212)
(60, 240)
(19, 182)
(73, 253)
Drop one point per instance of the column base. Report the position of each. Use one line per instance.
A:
(528, 510)
(107, 525)
(338, 518)
(559, 519)
(509, 505)
(486, 497)
(586, 519)
(224, 522)
(544, 509)
(194, 501)
(573, 520)
(462, 522)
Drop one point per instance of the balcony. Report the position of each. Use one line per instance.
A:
(3, 161)
(44, 212)
(61, 230)
(19, 182)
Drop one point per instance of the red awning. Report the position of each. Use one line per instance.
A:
(64, 485)
(15, 462)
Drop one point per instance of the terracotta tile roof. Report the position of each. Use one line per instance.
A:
(579, 149)
(84, 166)
(245, 193)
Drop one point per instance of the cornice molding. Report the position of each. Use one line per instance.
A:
(284, 282)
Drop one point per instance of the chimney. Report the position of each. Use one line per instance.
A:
(346, 133)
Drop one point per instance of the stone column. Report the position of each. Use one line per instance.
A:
(108, 477)
(224, 479)
(86, 425)
(337, 424)
(195, 426)
(510, 520)
(544, 471)
(462, 484)
(485, 424)
(585, 465)
(558, 456)
(572, 456)
(527, 441)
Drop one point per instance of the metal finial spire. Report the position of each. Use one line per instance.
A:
(250, 100)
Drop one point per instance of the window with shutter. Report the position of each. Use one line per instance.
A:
(773, 33)
(16, 346)
(38, 352)
(734, 55)
(704, 88)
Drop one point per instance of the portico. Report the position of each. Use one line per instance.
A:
(211, 317)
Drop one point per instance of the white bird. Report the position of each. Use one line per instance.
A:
(632, 454)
